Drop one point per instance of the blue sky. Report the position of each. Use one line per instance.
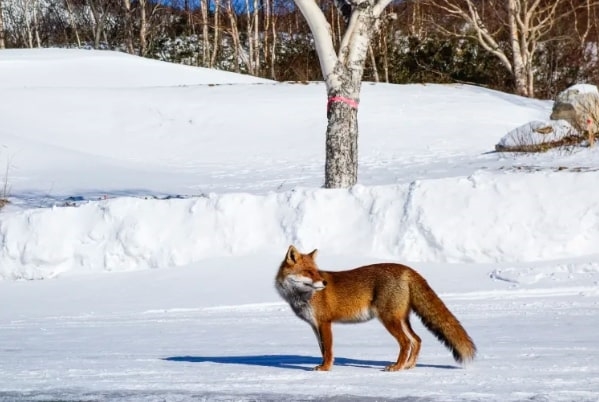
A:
(239, 4)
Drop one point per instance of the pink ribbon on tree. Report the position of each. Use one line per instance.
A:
(351, 102)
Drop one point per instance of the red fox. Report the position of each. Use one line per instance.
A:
(385, 291)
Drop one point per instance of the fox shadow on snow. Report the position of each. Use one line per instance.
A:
(288, 361)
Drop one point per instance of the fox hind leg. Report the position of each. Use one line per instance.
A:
(415, 343)
(409, 342)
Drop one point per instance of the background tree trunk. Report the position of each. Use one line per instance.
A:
(143, 27)
(36, 25)
(518, 65)
(99, 16)
(28, 27)
(128, 26)
(273, 42)
(189, 14)
(237, 49)
(256, 38)
(249, 60)
(2, 40)
(205, 37)
(216, 38)
(72, 22)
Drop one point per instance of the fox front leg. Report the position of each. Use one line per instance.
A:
(324, 335)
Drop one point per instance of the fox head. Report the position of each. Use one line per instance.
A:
(299, 273)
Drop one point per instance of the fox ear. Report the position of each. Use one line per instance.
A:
(314, 253)
(292, 255)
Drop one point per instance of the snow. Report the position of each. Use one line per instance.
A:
(536, 133)
(152, 203)
(585, 88)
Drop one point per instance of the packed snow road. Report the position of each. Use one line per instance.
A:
(533, 344)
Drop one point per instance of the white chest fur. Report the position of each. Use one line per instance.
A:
(298, 299)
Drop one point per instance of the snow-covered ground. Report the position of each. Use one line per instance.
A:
(151, 204)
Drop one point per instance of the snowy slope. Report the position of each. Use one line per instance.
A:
(72, 68)
(190, 139)
(151, 204)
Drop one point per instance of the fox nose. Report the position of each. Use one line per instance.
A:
(324, 283)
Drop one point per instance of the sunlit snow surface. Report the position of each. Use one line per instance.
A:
(152, 203)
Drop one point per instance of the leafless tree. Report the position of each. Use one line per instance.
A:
(542, 45)
(2, 41)
(274, 42)
(100, 13)
(72, 23)
(128, 15)
(238, 51)
(35, 21)
(511, 30)
(255, 37)
(342, 71)
(143, 27)
(205, 35)
(270, 37)
(24, 16)
(189, 17)
(250, 24)
(216, 37)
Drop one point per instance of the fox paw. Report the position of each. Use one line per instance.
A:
(395, 367)
(322, 368)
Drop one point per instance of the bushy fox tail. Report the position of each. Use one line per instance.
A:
(440, 321)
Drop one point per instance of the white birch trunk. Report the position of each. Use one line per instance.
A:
(342, 72)
(190, 24)
(36, 30)
(249, 61)
(273, 45)
(375, 70)
(128, 27)
(2, 41)
(98, 23)
(385, 57)
(216, 39)
(270, 39)
(143, 27)
(238, 51)
(28, 28)
(72, 22)
(205, 39)
(518, 65)
(256, 38)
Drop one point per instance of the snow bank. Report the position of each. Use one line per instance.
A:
(488, 217)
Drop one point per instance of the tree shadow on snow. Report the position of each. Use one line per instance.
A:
(295, 362)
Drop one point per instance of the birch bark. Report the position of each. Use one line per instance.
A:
(2, 41)
(205, 38)
(342, 71)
